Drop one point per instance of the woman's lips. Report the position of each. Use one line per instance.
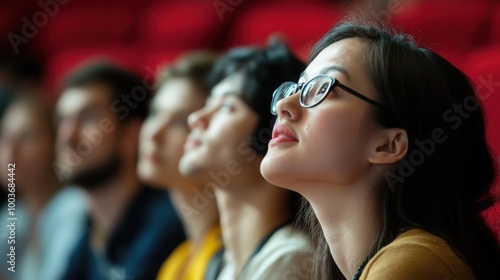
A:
(151, 156)
(282, 134)
(154, 158)
(191, 142)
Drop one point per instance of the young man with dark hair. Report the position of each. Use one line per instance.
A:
(132, 229)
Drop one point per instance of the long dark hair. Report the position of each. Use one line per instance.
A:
(443, 183)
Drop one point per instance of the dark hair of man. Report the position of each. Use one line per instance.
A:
(123, 84)
(446, 193)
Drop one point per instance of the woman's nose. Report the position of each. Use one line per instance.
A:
(289, 107)
(199, 119)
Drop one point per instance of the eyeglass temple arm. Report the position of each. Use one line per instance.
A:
(360, 96)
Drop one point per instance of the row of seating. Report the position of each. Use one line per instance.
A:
(194, 24)
(165, 29)
(454, 27)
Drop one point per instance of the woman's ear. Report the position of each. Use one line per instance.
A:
(389, 147)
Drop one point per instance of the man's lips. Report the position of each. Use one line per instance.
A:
(281, 134)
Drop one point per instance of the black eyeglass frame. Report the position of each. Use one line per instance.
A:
(333, 83)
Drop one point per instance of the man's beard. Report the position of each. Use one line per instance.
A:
(97, 176)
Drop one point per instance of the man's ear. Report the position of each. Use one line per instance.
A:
(389, 147)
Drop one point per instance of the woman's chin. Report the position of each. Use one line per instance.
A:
(274, 174)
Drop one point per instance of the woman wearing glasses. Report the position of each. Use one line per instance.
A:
(228, 140)
(395, 177)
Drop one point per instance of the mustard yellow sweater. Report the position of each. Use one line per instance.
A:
(417, 254)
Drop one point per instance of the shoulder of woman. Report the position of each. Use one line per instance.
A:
(417, 254)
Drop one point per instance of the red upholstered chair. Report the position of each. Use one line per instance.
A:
(448, 27)
(151, 62)
(300, 1)
(494, 37)
(19, 26)
(62, 63)
(302, 24)
(483, 67)
(492, 215)
(179, 24)
(80, 25)
(9, 23)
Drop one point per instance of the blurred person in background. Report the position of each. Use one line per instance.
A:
(182, 90)
(19, 74)
(227, 142)
(131, 228)
(49, 220)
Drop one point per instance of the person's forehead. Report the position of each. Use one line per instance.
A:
(74, 100)
(17, 116)
(231, 85)
(177, 93)
(344, 56)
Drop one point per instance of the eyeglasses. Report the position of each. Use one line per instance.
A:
(314, 92)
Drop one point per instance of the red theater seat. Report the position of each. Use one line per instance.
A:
(20, 22)
(76, 26)
(302, 24)
(179, 24)
(62, 63)
(483, 67)
(495, 24)
(492, 216)
(444, 26)
(150, 63)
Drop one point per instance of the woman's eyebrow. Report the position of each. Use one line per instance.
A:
(334, 68)
(327, 69)
(211, 98)
(230, 93)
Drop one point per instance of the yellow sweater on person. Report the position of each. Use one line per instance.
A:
(417, 254)
(184, 264)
